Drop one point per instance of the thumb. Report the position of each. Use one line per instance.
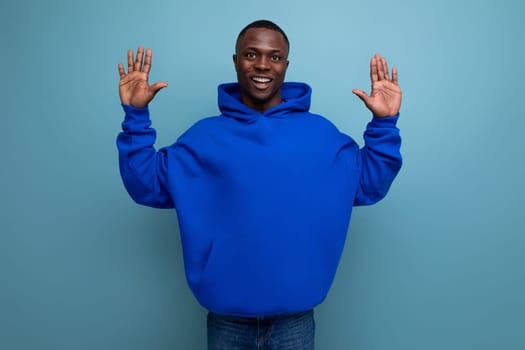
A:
(361, 94)
(158, 86)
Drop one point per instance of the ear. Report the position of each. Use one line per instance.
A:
(235, 61)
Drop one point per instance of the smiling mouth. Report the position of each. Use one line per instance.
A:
(261, 80)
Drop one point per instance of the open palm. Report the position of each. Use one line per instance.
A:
(134, 88)
(385, 98)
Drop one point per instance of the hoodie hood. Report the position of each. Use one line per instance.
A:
(296, 98)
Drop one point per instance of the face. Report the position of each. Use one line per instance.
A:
(261, 61)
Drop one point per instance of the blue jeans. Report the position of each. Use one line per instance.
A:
(286, 332)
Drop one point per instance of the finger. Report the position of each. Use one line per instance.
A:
(373, 70)
(130, 61)
(361, 94)
(158, 86)
(384, 66)
(147, 61)
(138, 60)
(121, 70)
(394, 76)
(379, 66)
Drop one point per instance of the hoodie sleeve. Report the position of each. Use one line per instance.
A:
(379, 160)
(144, 171)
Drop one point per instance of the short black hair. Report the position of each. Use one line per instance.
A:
(262, 23)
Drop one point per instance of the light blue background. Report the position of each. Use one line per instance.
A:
(439, 264)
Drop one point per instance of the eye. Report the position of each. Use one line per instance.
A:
(275, 58)
(250, 55)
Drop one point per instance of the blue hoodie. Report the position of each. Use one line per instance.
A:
(263, 199)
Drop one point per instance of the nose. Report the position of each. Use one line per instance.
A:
(262, 63)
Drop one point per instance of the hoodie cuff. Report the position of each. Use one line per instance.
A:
(135, 113)
(385, 121)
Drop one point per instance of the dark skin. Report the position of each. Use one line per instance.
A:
(385, 98)
(261, 61)
(134, 89)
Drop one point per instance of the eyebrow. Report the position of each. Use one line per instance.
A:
(257, 49)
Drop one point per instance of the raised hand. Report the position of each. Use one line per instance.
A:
(385, 98)
(134, 88)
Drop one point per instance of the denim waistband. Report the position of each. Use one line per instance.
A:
(271, 318)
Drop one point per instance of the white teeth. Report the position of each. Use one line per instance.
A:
(261, 79)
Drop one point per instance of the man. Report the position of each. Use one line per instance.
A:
(263, 192)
